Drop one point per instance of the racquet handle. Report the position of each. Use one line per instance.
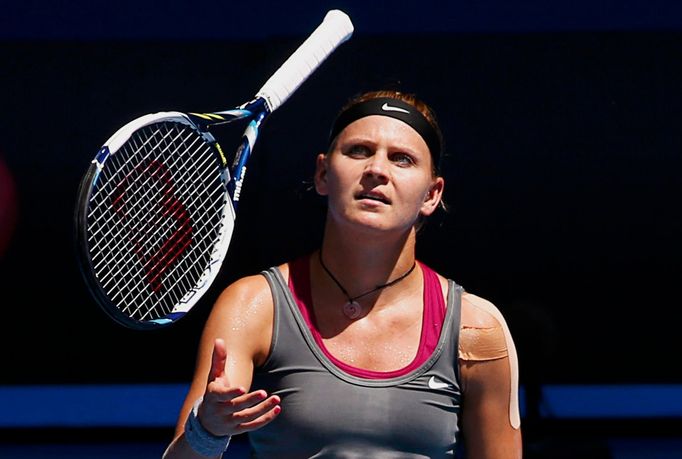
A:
(334, 30)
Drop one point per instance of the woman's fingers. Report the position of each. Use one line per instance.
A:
(243, 409)
(257, 416)
(219, 393)
(233, 411)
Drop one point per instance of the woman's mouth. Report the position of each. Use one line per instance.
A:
(373, 196)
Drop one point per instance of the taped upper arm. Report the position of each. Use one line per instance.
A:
(484, 336)
(480, 344)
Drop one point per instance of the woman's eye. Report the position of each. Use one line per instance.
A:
(358, 151)
(402, 159)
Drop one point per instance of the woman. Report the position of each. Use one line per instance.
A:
(358, 350)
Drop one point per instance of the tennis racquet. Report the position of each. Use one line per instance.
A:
(156, 208)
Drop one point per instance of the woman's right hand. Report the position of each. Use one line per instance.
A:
(229, 410)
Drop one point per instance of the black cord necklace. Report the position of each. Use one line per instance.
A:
(352, 309)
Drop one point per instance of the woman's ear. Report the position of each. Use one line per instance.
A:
(321, 174)
(433, 197)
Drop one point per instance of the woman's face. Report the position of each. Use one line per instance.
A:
(378, 175)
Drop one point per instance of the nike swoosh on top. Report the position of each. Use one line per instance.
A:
(390, 108)
(433, 384)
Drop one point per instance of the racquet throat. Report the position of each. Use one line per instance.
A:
(352, 309)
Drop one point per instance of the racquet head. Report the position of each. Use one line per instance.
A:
(154, 219)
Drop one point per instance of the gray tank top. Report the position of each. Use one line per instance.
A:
(328, 413)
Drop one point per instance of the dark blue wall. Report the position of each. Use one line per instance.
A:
(181, 19)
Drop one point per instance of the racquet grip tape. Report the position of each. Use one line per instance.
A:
(334, 30)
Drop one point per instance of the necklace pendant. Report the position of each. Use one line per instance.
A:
(352, 310)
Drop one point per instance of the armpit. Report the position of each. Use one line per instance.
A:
(480, 344)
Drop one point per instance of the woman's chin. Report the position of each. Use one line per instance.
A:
(373, 224)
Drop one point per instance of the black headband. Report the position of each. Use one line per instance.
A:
(394, 108)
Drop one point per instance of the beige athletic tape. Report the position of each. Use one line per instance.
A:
(514, 415)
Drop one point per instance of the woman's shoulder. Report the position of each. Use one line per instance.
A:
(482, 330)
(245, 288)
(250, 291)
(250, 284)
(246, 300)
(478, 312)
(245, 292)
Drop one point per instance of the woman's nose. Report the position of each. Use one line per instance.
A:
(377, 166)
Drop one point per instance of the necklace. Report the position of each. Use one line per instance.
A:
(352, 309)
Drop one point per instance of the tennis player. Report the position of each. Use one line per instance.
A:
(358, 349)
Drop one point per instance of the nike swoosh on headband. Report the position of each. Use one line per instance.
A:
(390, 108)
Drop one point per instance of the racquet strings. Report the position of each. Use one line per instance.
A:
(154, 219)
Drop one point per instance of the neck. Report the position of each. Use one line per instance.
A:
(360, 263)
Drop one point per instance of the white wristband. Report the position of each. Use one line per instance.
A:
(201, 440)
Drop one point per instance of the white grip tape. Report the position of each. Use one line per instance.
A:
(334, 30)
